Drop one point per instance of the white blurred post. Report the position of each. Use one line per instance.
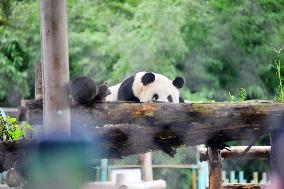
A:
(146, 163)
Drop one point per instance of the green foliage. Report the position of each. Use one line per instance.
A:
(176, 178)
(278, 68)
(240, 97)
(11, 129)
(217, 45)
(19, 49)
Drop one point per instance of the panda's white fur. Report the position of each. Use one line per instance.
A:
(113, 96)
(161, 86)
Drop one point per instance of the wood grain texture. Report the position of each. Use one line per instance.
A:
(215, 168)
(124, 128)
(38, 81)
(243, 186)
(256, 152)
(55, 65)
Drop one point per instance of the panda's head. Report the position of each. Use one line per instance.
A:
(154, 87)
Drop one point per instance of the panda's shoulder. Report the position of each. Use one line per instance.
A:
(158, 77)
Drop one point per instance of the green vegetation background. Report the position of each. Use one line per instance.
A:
(216, 45)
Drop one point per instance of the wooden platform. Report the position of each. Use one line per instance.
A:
(122, 128)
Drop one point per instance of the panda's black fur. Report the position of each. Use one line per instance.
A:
(125, 90)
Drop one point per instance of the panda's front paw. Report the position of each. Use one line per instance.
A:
(102, 93)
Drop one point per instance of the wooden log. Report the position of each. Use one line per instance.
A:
(130, 128)
(215, 166)
(256, 152)
(55, 67)
(243, 186)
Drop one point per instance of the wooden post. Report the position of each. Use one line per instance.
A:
(120, 180)
(146, 163)
(272, 165)
(104, 176)
(56, 107)
(38, 81)
(215, 166)
(193, 179)
(157, 184)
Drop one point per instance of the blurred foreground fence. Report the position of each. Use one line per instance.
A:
(238, 177)
(179, 172)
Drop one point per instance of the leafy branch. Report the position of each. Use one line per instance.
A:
(240, 97)
(11, 129)
(278, 67)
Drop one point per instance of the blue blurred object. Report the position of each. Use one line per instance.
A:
(57, 163)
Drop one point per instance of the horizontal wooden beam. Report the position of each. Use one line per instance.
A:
(124, 128)
(243, 186)
(255, 152)
(167, 166)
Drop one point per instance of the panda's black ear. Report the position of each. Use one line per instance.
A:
(178, 82)
(148, 78)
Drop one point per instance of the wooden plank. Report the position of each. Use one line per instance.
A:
(167, 166)
(55, 67)
(215, 168)
(243, 186)
(256, 152)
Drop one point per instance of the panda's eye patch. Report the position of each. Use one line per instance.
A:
(170, 99)
(155, 97)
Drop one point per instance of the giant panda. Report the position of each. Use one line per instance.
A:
(147, 87)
